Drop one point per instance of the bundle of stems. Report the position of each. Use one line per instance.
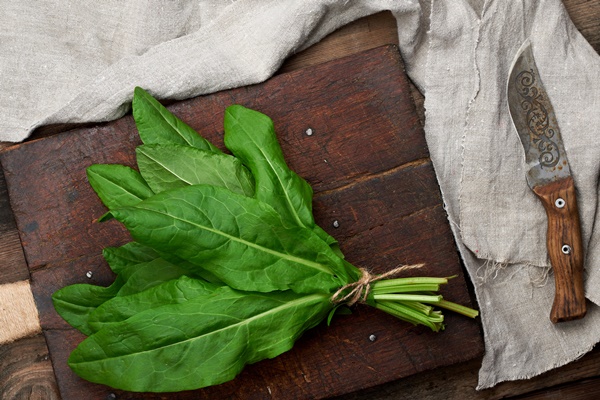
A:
(415, 300)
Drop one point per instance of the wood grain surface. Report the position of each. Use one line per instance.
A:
(26, 372)
(578, 380)
(564, 229)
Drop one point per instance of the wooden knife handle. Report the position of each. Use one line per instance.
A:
(564, 248)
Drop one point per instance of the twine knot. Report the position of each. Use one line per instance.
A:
(361, 288)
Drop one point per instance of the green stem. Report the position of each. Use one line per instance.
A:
(415, 319)
(420, 307)
(407, 297)
(432, 316)
(419, 287)
(408, 281)
(409, 314)
(457, 308)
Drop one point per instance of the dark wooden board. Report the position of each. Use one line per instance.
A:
(367, 161)
(13, 267)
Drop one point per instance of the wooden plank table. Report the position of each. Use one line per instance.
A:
(25, 368)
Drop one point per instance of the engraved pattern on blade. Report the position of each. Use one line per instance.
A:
(541, 134)
(534, 119)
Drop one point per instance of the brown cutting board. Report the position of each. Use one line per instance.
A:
(349, 128)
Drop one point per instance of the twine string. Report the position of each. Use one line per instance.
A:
(361, 288)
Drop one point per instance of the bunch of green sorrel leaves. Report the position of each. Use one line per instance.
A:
(227, 266)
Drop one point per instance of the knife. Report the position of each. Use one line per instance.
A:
(549, 177)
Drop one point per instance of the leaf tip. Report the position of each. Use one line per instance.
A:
(91, 169)
(105, 217)
(138, 91)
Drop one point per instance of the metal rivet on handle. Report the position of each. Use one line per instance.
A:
(566, 249)
(560, 203)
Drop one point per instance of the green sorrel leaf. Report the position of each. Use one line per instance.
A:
(138, 267)
(173, 291)
(242, 241)
(204, 341)
(142, 276)
(117, 185)
(131, 257)
(167, 167)
(132, 253)
(250, 136)
(158, 125)
(75, 303)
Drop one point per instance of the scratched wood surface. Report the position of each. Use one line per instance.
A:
(578, 380)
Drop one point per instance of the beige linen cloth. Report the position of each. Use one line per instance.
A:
(79, 62)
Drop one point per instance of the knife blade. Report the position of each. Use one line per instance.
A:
(549, 177)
